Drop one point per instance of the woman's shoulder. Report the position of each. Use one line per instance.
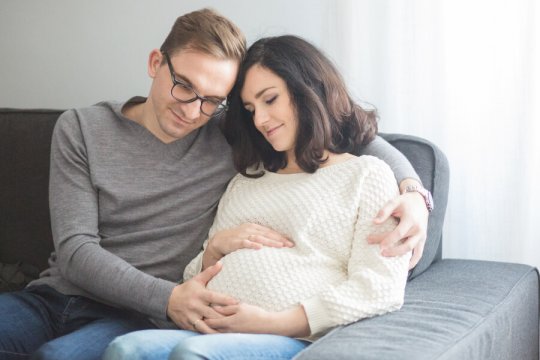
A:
(372, 169)
(239, 180)
(370, 161)
(363, 163)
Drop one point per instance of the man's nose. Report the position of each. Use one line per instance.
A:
(192, 110)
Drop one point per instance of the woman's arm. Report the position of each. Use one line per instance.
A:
(409, 207)
(375, 283)
(245, 318)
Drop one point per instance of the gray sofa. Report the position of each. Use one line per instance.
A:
(454, 309)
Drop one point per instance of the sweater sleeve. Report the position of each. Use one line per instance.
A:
(399, 164)
(375, 284)
(74, 208)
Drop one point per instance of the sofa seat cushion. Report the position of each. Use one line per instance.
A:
(457, 309)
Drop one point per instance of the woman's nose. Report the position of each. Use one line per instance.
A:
(260, 117)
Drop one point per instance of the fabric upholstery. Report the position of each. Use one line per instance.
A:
(25, 143)
(457, 309)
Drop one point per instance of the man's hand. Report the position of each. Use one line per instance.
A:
(411, 232)
(245, 318)
(245, 236)
(190, 303)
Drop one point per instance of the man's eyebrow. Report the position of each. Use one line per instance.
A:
(259, 94)
(188, 82)
(183, 79)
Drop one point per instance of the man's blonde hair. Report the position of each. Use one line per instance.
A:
(206, 31)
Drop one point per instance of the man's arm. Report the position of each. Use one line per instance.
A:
(74, 210)
(409, 207)
(399, 164)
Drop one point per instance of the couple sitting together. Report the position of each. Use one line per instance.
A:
(255, 151)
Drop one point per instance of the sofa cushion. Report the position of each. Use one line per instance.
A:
(457, 309)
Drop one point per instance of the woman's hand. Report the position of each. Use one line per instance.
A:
(245, 236)
(251, 319)
(411, 232)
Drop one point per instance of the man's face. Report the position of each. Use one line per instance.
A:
(209, 76)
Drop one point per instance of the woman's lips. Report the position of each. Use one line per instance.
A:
(273, 130)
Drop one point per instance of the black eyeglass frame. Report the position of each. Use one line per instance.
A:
(221, 107)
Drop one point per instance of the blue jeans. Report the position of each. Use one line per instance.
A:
(41, 323)
(188, 345)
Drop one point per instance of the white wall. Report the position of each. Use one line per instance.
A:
(459, 73)
(72, 53)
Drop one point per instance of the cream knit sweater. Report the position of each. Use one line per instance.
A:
(331, 271)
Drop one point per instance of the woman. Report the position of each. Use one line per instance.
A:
(293, 128)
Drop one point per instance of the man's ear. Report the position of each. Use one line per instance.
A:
(154, 62)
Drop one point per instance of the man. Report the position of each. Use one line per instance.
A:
(133, 190)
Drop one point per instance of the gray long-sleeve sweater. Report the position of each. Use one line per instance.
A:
(129, 212)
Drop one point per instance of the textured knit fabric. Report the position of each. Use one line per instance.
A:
(332, 270)
(128, 212)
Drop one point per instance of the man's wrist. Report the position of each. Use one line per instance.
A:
(169, 310)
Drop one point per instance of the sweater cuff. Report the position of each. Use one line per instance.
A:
(158, 299)
(317, 315)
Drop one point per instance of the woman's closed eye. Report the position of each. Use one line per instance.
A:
(271, 100)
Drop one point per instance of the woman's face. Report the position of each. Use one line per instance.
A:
(266, 96)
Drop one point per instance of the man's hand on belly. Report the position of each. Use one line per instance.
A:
(190, 303)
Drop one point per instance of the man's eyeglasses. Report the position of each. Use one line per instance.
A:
(185, 93)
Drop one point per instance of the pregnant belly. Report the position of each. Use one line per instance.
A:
(275, 279)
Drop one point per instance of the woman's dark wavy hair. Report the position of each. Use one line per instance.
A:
(328, 119)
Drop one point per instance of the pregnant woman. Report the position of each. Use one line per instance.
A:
(293, 128)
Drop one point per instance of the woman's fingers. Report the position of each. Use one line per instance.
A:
(266, 241)
(226, 310)
(267, 237)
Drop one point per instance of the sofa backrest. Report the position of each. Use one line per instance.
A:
(25, 144)
(25, 141)
(432, 166)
